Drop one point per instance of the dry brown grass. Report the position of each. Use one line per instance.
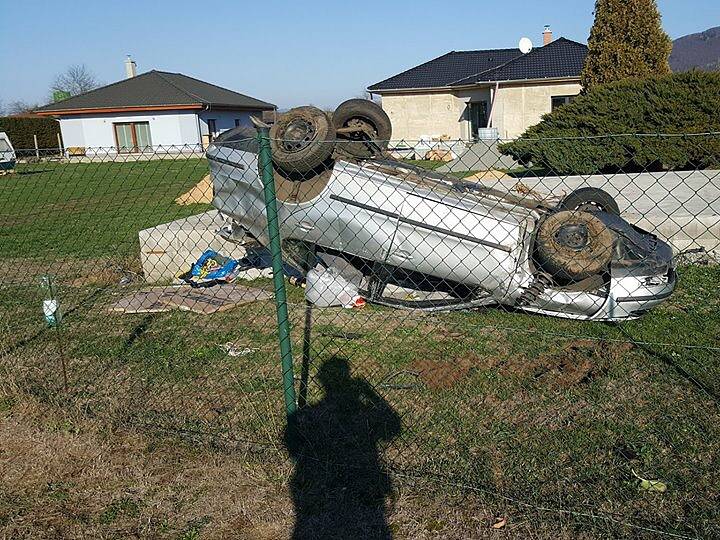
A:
(68, 476)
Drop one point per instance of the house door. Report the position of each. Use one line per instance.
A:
(478, 117)
(132, 136)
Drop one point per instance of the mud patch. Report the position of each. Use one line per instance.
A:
(576, 363)
(442, 374)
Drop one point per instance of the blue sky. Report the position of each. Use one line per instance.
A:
(286, 52)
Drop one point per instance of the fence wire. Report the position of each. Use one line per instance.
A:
(455, 315)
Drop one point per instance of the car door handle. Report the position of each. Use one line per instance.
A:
(305, 226)
(402, 255)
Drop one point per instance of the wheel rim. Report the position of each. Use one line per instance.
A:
(573, 236)
(297, 135)
(363, 127)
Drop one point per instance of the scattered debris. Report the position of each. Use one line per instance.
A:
(200, 193)
(342, 335)
(203, 301)
(650, 485)
(210, 269)
(500, 522)
(234, 350)
(526, 190)
(397, 377)
(491, 174)
(440, 155)
(327, 287)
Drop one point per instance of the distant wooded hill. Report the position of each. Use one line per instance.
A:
(701, 51)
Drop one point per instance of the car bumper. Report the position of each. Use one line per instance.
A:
(632, 296)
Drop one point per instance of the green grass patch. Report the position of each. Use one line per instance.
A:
(82, 210)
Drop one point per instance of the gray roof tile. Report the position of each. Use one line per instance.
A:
(158, 88)
(559, 59)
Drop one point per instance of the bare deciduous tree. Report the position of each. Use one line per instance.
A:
(75, 80)
(367, 95)
(20, 107)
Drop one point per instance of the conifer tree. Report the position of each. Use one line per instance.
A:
(626, 40)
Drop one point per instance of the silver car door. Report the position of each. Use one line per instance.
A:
(447, 238)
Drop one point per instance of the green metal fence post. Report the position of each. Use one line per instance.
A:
(268, 180)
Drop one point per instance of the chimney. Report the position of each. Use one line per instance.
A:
(130, 68)
(547, 35)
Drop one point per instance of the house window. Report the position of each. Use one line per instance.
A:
(212, 128)
(237, 122)
(560, 101)
(132, 136)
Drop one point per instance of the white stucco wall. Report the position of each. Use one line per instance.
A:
(225, 120)
(443, 114)
(167, 128)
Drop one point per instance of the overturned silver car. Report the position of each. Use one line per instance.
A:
(339, 193)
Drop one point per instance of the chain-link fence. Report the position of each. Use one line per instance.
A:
(549, 342)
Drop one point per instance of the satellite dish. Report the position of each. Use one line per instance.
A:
(525, 45)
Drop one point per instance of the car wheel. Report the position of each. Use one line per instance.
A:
(371, 124)
(302, 139)
(573, 245)
(590, 199)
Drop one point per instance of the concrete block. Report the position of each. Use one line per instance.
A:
(170, 248)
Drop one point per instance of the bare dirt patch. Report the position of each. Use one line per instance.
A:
(443, 374)
(576, 363)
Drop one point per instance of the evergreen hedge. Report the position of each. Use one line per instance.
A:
(612, 114)
(21, 129)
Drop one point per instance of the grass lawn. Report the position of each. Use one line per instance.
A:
(546, 422)
(84, 210)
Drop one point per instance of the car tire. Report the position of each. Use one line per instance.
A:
(573, 245)
(302, 139)
(590, 199)
(362, 113)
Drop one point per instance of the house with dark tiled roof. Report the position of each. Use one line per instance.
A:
(151, 111)
(461, 94)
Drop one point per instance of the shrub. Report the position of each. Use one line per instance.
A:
(597, 132)
(21, 129)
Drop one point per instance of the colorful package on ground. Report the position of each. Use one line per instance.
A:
(211, 267)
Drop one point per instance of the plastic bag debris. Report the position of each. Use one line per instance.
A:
(234, 350)
(326, 287)
(210, 268)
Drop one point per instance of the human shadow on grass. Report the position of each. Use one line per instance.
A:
(340, 483)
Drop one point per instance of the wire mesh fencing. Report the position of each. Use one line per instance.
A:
(542, 332)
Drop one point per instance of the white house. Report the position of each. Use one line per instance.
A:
(154, 111)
